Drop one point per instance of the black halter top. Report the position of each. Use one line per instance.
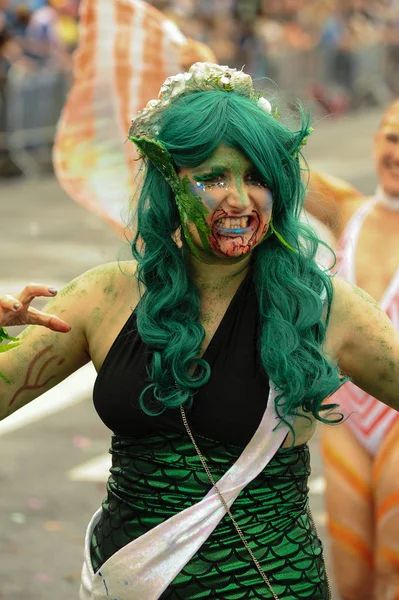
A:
(227, 409)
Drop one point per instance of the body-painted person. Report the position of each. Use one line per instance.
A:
(215, 350)
(362, 455)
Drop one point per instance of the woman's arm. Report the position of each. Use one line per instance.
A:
(57, 341)
(365, 342)
(50, 348)
(332, 200)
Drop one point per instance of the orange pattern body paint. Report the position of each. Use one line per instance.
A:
(362, 499)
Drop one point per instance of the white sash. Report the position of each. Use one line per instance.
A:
(145, 567)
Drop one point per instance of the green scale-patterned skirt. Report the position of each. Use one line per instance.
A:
(158, 476)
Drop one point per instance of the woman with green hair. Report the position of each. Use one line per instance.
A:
(215, 349)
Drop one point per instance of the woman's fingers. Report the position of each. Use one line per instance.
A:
(34, 290)
(37, 317)
(30, 291)
(10, 303)
(16, 310)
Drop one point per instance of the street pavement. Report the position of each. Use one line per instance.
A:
(54, 458)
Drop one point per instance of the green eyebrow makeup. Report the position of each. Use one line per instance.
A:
(208, 175)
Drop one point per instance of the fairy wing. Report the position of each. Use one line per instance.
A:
(127, 48)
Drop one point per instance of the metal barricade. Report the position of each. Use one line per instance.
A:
(371, 70)
(33, 104)
(296, 73)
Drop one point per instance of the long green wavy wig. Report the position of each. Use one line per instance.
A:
(289, 285)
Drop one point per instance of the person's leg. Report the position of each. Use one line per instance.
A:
(348, 468)
(386, 490)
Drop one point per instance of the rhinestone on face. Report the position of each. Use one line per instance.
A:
(211, 186)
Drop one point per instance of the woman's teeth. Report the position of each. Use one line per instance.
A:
(233, 222)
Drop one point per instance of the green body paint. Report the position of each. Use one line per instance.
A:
(68, 289)
(360, 292)
(111, 291)
(97, 316)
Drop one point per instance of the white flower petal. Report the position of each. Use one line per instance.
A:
(152, 103)
(265, 105)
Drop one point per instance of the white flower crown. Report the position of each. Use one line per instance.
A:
(200, 77)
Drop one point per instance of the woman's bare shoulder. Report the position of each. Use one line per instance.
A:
(110, 285)
(112, 293)
(107, 279)
(99, 292)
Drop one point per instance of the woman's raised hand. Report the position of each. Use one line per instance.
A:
(16, 310)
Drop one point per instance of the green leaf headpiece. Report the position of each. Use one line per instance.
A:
(189, 206)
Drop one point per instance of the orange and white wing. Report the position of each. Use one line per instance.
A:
(127, 48)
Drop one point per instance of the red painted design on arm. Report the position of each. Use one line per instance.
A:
(38, 382)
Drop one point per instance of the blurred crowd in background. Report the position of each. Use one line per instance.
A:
(37, 33)
(341, 55)
(336, 46)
